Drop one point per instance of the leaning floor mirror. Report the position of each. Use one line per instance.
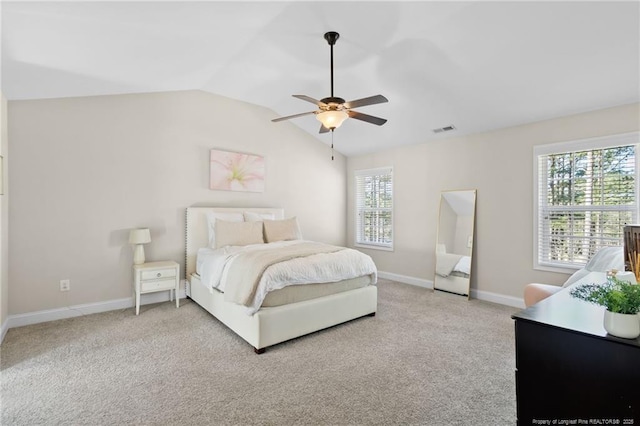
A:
(454, 244)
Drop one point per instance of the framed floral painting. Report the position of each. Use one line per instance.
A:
(235, 171)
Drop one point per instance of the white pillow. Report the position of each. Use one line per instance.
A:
(605, 259)
(211, 220)
(258, 217)
(238, 233)
(282, 230)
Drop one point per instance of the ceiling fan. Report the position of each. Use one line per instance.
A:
(333, 111)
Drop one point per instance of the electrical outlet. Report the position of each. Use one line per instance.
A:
(65, 285)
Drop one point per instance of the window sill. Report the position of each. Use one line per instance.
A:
(559, 269)
(373, 247)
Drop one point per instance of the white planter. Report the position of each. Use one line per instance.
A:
(626, 326)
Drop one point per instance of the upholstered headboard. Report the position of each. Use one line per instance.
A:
(197, 232)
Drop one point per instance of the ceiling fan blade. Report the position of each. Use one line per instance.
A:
(309, 99)
(371, 100)
(292, 116)
(368, 118)
(323, 129)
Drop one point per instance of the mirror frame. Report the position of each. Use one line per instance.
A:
(454, 282)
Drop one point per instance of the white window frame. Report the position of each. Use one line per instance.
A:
(358, 222)
(576, 146)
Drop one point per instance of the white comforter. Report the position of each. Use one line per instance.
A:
(212, 266)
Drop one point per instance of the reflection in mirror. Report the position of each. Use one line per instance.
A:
(454, 245)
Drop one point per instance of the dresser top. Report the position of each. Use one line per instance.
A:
(564, 311)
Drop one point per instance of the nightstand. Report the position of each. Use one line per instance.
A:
(156, 276)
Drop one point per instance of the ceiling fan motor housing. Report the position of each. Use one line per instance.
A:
(332, 103)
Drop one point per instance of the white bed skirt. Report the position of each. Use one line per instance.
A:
(277, 324)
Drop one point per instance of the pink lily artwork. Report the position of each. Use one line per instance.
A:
(235, 171)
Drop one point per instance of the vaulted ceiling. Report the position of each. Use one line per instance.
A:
(475, 65)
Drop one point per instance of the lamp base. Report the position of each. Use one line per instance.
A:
(138, 254)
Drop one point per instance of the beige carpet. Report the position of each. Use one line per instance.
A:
(426, 358)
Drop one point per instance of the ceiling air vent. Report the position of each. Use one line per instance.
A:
(444, 129)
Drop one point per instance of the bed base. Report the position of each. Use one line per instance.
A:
(277, 324)
(452, 284)
(261, 350)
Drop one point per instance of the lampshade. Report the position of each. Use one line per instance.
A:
(139, 236)
(332, 119)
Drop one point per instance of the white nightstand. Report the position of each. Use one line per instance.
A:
(156, 276)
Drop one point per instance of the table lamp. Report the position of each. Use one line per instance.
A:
(139, 237)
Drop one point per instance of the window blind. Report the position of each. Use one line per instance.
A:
(585, 198)
(374, 207)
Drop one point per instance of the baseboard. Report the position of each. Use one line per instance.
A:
(111, 305)
(487, 296)
(501, 299)
(406, 279)
(85, 309)
(4, 329)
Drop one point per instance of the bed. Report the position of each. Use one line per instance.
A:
(279, 317)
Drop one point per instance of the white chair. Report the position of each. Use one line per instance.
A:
(605, 259)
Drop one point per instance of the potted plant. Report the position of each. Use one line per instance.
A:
(622, 301)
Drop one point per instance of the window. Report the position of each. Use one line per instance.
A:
(374, 208)
(586, 193)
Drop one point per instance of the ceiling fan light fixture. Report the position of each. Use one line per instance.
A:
(332, 119)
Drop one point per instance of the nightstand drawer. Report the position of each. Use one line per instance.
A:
(159, 274)
(167, 284)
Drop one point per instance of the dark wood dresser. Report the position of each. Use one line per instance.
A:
(569, 370)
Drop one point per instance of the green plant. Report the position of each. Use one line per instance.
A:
(617, 296)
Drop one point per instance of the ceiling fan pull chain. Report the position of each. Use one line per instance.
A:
(332, 144)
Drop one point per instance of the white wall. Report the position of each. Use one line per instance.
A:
(446, 231)
(4, 221)
(86, 170)
(464, 230)
(499, 165)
